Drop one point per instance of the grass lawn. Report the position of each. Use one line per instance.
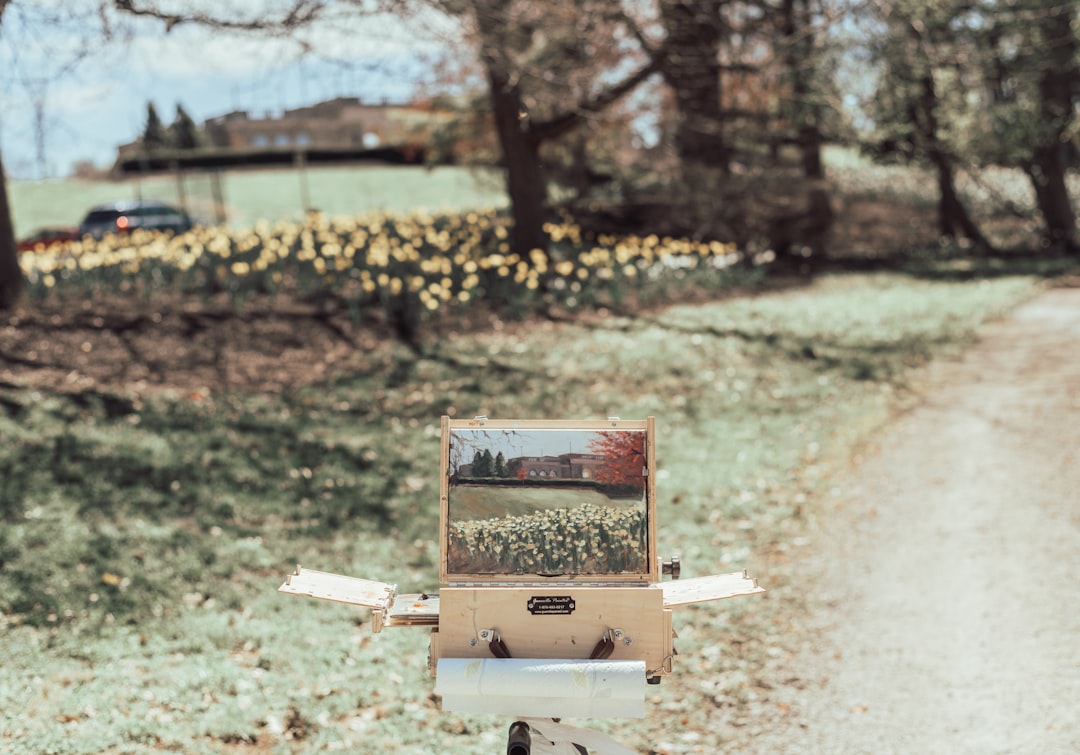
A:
(273, 194)
(144, 535)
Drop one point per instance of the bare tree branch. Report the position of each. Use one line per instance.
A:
(301, 13)
(571, 119)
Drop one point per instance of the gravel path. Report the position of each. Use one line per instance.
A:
(947, 593)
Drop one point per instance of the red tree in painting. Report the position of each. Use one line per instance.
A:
(624, 458)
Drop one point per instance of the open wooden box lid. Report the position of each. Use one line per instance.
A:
(560, 501)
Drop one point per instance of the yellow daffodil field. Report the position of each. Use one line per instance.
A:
(582, 539)
(406, 263)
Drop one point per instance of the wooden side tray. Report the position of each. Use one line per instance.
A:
(684, 592)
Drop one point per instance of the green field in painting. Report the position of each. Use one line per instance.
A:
(470, 502)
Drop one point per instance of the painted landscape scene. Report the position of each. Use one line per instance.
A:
(547, 502)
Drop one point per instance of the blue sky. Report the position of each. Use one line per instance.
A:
(524, 442)
(67, 94)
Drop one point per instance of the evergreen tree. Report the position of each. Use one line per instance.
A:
(500, 466)
(184, 132)
(484, 464)
(154, 136)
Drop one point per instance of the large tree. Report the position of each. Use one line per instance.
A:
(692, 70)
(1054, 35)
(802, 110)
(803, 106)
(1026, 56)
(73, 32)
(922, 100)
(971, 84)
(525, 47)
(11, 278)
(745, 78)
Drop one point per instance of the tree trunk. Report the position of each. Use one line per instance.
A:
(1047, 173)
(521, 153)
(691, 67)
(525, 184)
(953, 218)
(11, 279)
(799, 60)
(1060, 77)
(520, 135)
(804, 115)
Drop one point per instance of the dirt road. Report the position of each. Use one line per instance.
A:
(946, 580)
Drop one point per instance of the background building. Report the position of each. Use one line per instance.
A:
(336, 130)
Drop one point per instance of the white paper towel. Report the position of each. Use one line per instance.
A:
(544, 688)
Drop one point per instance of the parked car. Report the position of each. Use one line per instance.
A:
(43, 238)
(121, 217)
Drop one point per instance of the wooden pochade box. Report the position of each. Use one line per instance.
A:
(547, 540)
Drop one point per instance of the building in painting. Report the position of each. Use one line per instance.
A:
(571, 466)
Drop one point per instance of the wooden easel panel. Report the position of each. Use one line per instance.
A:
(339, 588)
(681, 592)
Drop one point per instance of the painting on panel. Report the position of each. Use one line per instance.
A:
(549, 502)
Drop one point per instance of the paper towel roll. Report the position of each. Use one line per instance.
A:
(547, 688)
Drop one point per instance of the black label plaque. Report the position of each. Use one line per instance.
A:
(551, 605)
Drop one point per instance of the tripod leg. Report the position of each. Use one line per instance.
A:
(519, 740)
